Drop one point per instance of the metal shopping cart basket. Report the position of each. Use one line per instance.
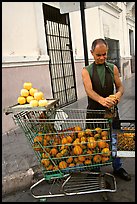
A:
(69, 145)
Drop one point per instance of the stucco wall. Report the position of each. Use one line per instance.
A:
(12, 83)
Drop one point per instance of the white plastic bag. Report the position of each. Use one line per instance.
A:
(60, 117)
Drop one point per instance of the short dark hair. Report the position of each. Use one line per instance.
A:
(98, 41)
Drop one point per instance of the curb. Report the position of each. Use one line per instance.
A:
(17, 181)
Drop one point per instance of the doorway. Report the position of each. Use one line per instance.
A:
(59, 48)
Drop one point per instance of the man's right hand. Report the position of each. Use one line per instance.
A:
(107, 102)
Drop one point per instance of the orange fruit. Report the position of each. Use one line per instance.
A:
(77, 150)
(76, 141)
(45, 162)
(27, 85)
(71, 165)
(101, 144)
(77, 128)
(34, 103)
(105, 159)
(87, 162)
(81, 134)
(69, 139)
(64, 140)
(24, 92)
(69, 160)
(62, 165)
(89, 152)
(21, 100)
(32, 91)
(53, 151)
(38, 95)
(49, 168)
(29, 98)
(91, 143)
(43, 102)
(97, 136)
(97, 158)
(38, 139)
(76, 159)
(104, 133)
(81, 158)
(59, 155)
(98, 130)
(88, 132)
(45, 155)
(105, 151)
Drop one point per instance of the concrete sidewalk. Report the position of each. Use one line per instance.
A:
(20, 166)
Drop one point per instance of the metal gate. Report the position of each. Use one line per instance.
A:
(61, 62)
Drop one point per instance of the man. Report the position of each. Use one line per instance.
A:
(101, 79)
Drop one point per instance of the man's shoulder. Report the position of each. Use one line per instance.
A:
(111, 65)
(88, 67)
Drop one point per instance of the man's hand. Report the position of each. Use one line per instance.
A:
(109, 101)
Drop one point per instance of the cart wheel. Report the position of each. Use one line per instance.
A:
(105, 197)
(43, 200)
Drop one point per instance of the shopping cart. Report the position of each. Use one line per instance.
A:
(69, 147)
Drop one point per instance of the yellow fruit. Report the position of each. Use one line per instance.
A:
(98, 130)
(32, 91)
(21, 100)
(43, 102)
(77, 128)
(92, 143)
(38, 95)
(27, 85)
(24, 92)
(112, 96)
(29, 98)
(106, 152)
(88, 132)
(34, 103)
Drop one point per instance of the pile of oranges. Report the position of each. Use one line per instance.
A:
(32, 96)
(73, 148)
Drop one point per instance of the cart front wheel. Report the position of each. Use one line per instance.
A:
(43, 200)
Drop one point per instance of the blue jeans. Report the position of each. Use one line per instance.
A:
(116, 164)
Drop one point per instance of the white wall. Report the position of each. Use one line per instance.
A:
(19, 34)
(23, 31)
(23, 34)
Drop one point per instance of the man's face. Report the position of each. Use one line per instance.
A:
(100, 53)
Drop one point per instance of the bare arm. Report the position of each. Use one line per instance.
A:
(118, 84)
(107, 102)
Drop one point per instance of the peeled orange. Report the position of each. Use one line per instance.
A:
(38, 95)
(34, 103)
(27, 85)
(24, 92)
(21, 100)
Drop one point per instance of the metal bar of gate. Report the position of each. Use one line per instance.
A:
(84, 32)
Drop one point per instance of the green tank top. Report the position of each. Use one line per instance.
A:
(101, 71)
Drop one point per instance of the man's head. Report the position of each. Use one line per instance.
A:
(99, 50)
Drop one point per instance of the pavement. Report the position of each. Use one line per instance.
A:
(20, 167)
